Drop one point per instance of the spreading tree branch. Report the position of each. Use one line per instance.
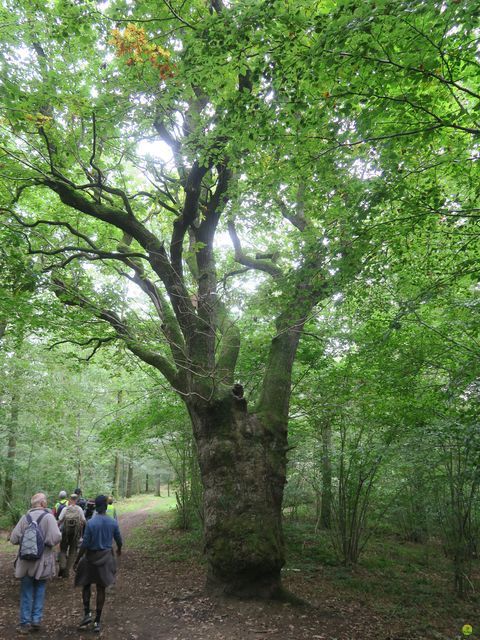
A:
(71, 297)
(157, 255)
(251, 263)
(169, 324)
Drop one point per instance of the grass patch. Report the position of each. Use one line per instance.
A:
(159, 540)
(137, 503)
(307, 549)
(5, 545)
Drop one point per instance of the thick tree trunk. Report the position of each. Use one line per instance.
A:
(11, 453)
(242, 464)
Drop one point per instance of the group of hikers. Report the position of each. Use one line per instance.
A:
(72, 515)
(85, 530)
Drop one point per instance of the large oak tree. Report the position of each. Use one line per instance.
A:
(138, 135)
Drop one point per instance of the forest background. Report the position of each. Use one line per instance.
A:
(273, 203)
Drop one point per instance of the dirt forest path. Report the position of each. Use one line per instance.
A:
(162, 597)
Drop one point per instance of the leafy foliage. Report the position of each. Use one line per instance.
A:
(204, 187)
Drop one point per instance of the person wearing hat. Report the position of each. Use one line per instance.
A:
(61, 504)
(95, 562)
(71, 522)
(111, 511)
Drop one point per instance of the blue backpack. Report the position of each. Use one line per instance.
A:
(32, 542)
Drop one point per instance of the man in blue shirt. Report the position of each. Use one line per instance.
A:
(95, 563)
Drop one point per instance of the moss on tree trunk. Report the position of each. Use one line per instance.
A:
(243, 465)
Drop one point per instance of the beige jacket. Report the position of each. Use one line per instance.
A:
(44, 567)
(64, 511)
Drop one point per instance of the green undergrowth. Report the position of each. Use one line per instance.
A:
(159, 539)
(9, 519)
(406, 582)
(5, 546)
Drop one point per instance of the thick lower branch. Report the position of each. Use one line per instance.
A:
(274, 400)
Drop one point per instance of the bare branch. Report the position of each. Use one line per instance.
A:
(179, 18)
(88, 252)
(99, 342)
(231, 274)
(32, 225)
(157, 256)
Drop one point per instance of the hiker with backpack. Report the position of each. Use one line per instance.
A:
(95, 563)
(36, 533)
(61, 504)
(111, 510)
(71, 522)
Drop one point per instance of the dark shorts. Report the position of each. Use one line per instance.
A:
(96, 567)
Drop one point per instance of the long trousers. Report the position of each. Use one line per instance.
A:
(68, 552)
(32, 597)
